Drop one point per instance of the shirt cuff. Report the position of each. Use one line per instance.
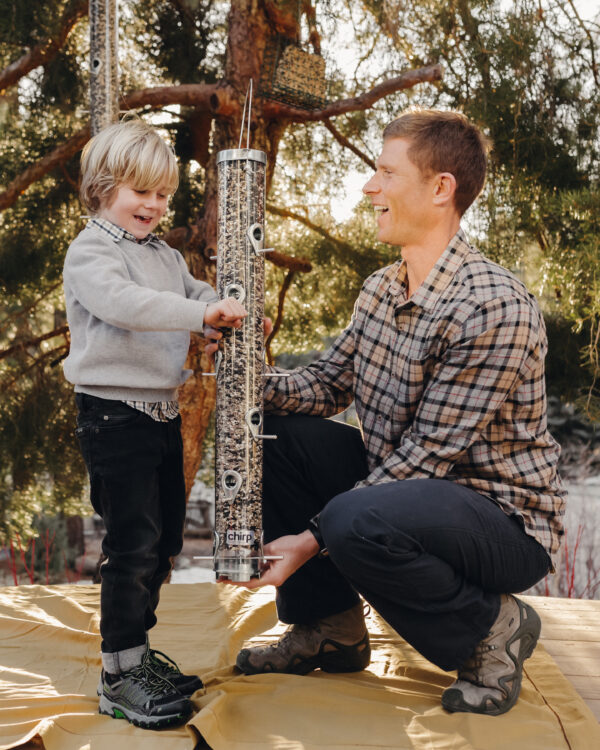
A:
(315, 530)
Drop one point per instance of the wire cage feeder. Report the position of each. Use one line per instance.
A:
(293, 76)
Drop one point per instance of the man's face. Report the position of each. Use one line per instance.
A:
(400, 194)
(136, 211)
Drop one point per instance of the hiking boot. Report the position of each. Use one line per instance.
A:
(489, 682)
(338, 643)
(187, 684)
(143, 697)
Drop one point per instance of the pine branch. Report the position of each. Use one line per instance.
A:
(586, 31)
(43, 53)
(37, 362)
(367, 54)
(281, 260)
(314, 37)
(179, 236)
(46, 164)
(341, 139)
(311, 225)
(197, 95)
(276, 110)
(221, 100)
(287, 282)
(480, 53)
(24, 311)
(69, 180)
(62, 330)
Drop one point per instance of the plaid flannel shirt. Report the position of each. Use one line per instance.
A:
(160, 411)
(448, 384)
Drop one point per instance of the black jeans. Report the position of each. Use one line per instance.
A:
(135, 465)
(431, 556)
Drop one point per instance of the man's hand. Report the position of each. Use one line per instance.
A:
(295, 549)
(213, 335)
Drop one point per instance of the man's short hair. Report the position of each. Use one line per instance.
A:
(445, 142)
(131, 152)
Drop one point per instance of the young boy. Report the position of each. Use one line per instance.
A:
(131, 304)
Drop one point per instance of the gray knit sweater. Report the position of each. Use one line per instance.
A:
(130, 309)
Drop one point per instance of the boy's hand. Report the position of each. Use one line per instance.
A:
(226, 312)
(212, 336)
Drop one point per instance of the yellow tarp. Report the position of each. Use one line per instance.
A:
(49, 666)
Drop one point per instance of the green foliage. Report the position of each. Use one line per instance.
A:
(41, 468)
(44, 553)
(24, 25)
(36, 233)
(523, 71)
(567, 380)
(62, 83)
(527, 73)
(185, 39)
(570, 228)
(320, 304)
(52, 550)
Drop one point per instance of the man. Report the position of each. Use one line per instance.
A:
(450, 499)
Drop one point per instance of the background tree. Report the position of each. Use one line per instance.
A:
(527, 74)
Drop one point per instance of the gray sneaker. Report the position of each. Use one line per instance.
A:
(490, 681)
(338, 643)
(143, 697)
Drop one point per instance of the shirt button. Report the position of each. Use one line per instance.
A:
(105, 417)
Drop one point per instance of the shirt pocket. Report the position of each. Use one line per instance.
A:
(411, 367)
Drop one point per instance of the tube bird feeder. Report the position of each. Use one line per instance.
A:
(238, 551)
(104, 66)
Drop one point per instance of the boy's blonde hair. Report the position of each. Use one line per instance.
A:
(130, 151)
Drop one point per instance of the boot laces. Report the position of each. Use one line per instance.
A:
(154, 683)
(168, 665)
(288, 641)
(471, 670)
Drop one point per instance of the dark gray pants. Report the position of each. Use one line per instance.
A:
(431, 556)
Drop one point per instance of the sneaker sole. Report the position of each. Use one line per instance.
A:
(528, 633)
(343, 659)
(118, 711)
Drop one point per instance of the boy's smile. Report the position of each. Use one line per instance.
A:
(136, 211)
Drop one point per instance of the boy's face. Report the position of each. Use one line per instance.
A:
(136, 211)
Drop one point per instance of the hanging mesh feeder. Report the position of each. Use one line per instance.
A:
(293, 76)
